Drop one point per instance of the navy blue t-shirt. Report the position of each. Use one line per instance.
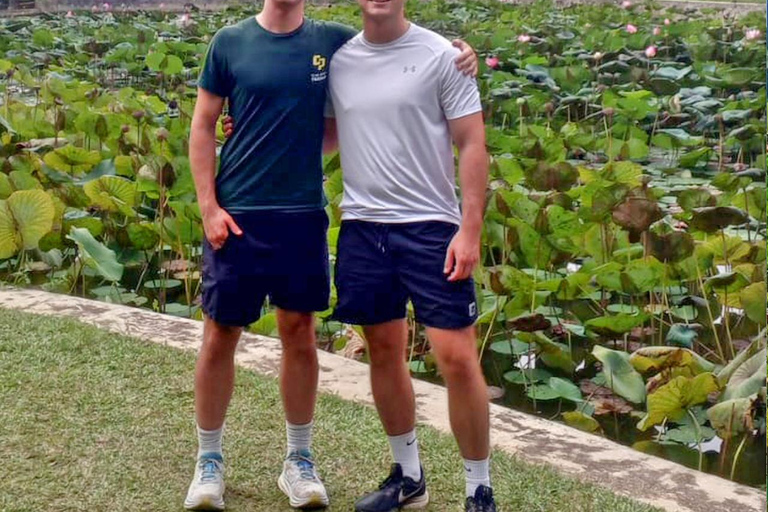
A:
(276, 88)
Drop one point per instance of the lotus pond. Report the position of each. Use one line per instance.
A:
(624, 262)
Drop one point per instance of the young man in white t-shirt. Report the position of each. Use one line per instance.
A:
(400, 105)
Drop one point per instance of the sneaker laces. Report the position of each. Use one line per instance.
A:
(305, 465)
(209, 470)
(387, 481)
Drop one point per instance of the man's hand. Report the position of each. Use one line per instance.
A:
(228, 126)
(462, 256)
(466, 62)
(217, 224)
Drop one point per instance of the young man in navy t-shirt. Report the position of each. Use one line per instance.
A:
(265, 225)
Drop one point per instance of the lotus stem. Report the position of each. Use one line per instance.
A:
(490, 329)
(736, 458)
(711, 317)
(413, 340)
(698, 438)
(721, 144)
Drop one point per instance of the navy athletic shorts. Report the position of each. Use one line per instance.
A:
(379, 267)
(283, 256)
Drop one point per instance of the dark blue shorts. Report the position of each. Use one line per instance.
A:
(379, 267)
(283, 256)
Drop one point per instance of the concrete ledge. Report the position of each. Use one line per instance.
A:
(591, 458)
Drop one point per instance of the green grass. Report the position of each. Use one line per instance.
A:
(94, 421)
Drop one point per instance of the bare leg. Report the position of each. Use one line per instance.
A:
(456, 353)
(298, 369)
(215, 374)
(390, 378)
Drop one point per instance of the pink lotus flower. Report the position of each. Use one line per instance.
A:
(667, 21)
(106, 6)
(657, 31)
(95, 8)
(631, 29)
(752, 34)
(626, 4)
(70, 14)
(651, 51)
(492, 62)
(524, 38)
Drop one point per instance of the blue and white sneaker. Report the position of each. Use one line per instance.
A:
(206, 492)
(299, 481)
(395, 493)
(482, 501)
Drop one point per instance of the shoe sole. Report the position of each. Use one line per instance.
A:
(207, 503)
(415, 503)
(314, 501)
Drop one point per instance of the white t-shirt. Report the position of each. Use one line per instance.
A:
(392, 103)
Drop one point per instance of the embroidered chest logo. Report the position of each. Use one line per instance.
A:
(320, 63)
(409, 69)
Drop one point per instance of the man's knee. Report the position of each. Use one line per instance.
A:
(458, 357)
(219, 340)
(297, 330)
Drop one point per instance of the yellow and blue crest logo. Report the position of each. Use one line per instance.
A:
(319, 62)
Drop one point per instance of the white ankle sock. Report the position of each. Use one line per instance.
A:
(405, 451)
(477, 473)
(209, 441)
(299, 436)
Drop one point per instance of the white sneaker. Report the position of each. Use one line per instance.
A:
(299, 481)
(206, 492)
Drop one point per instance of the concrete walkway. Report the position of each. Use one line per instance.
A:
(590, 458)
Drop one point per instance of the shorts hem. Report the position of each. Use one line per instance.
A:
(230, 322)
(297, 309)
(350, 319)
(447, 326)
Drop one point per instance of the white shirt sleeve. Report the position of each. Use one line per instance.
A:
(459, 94)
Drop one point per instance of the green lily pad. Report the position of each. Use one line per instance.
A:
(71, 159)
(143, 236)
(96, 255)
(113, 194)
(732, 417)
(753, 301)
(528, 376)
(542, 392)
(620, 375)
(656, 359)
(682, 335)
(623, 308)
(581, 421)
(688, 434)
(167, 284)
(565, 389)
(418, 367)
(615, 325)
(25, 217)
(748, 378)
(672, 400)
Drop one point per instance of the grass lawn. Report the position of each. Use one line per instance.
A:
(94, 421)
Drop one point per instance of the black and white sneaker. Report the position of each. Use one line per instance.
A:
(482, 501)
(395, 493)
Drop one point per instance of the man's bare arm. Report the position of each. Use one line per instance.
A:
(331, 136)
(464, 252)
(202, 161)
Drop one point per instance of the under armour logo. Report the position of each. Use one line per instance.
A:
(411, 69)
